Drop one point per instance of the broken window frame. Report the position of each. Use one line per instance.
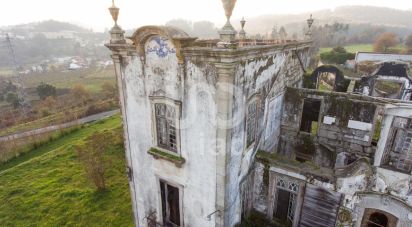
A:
(293, 187)
(163, 201)
(169, 141)
(395, 146)
(402, 84)
(318, 121)
(251, 120)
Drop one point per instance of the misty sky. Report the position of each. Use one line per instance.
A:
(134, 13)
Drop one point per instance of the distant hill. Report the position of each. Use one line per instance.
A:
(42, 41)
(377, 16)
(45, 26)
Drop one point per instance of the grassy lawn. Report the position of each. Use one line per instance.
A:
(64, 116)
(352, 48)
(358, 48)
(48, 186)
(91, 78)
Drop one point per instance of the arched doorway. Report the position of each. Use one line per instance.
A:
(327, 77)
(378, 218)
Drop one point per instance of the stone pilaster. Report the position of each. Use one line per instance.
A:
(224, 96)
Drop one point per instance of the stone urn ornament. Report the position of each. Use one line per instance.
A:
(228, 5)
(228, 33)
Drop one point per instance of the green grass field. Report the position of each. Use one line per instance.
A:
(357, 48)
(352, 48)
(91, 78)
(48, 186)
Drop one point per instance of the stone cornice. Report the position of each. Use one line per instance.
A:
(213, 54)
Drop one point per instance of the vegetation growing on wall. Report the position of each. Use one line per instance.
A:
(306, 145)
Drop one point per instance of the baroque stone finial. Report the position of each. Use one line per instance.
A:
(228, 33)
(242, 23)
(310, 23)
(242, 33)
(114, 11)
(228, 5)
(117, 34)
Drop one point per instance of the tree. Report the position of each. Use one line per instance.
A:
(13, 99)
(337, 55)
(182, 24)
(79, 92)
(92, 156)
(109, 90)
(282, 33)
(385, 41)
(204, 29)
(50, 102)
(408, 43)
(45, 90)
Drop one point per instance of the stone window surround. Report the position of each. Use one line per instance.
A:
(321, 111)
(384, 202)
(274, 174)
(389, 146)
(254, 98)
(404, 82)
(177, 105)
(159, 196)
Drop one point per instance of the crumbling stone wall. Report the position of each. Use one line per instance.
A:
(265, 76)
(345, 124)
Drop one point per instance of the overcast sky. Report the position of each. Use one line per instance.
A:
(134, 13)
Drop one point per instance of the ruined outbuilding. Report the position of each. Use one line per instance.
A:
(219, 130)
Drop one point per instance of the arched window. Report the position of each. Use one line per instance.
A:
(377, 220)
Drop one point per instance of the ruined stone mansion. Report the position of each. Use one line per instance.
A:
(216, 130)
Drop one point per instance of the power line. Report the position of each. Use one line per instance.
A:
(21, 93)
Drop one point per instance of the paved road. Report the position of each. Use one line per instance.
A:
(52, 128)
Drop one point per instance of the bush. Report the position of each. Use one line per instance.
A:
(45, 90)
(337, 55)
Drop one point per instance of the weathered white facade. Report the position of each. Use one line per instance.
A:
(220, 133)
(208, 89)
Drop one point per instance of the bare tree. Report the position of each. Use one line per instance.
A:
(385, 41)
(408, 43)
(92, 156)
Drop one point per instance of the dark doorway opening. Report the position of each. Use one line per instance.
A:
(285, 207)
(310, 116)
(378, 220)
(170, 205)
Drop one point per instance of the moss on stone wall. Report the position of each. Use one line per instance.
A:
(257, 219)
(308, 81)
(341, 108)
(306, 145)
(293, 95)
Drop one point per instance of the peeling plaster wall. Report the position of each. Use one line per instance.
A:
(159, 74)
(255, 77)
(344, 125)
(362, 181)
(182, 76)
